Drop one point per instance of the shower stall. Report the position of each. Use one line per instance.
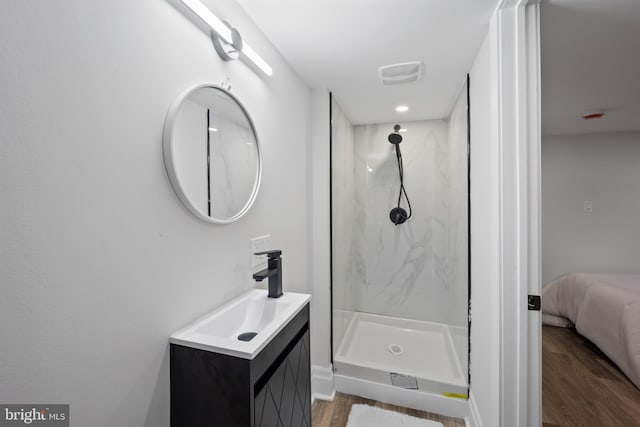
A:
(400, 286)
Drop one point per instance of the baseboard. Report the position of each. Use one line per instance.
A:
(474, 419)
(415, 399)
(322, 383)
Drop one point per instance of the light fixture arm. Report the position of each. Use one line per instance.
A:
(228, 51)
(226, 40)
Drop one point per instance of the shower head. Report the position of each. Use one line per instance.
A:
(395, 137)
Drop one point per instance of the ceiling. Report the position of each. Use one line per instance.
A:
(590, 55)
(590, 61)
(340, 44)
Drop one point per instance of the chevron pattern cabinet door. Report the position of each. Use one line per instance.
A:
(285, 400)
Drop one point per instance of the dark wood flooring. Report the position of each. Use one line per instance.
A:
(336, 412)
(581, 386)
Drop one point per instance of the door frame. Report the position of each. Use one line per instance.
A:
(517, 66)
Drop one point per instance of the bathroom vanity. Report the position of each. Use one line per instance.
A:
(220, 380)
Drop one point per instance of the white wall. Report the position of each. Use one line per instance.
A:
(485, 327)
(505, 382)
(99, 260)
(321, 307)
(603, 169)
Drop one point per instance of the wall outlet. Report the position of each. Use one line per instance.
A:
(259, 244)
(588, 206)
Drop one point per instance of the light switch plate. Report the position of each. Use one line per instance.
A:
(259, 244)
(588, 206)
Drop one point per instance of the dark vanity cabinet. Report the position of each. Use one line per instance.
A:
(271, 390)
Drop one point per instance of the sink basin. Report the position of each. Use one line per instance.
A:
(243, 326)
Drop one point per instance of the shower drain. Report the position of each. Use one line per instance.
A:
(396, 349)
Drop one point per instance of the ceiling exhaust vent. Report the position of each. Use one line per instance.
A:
(405, 72)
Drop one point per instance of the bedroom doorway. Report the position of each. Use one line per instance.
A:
(590, 169)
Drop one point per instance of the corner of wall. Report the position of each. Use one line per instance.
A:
(320, 229)
(474, 419)
(322, 383)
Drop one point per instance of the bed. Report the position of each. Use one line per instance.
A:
(605, 308)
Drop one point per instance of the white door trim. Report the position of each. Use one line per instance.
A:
(533, 386)
(517, 80)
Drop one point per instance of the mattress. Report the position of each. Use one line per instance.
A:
(605, 308)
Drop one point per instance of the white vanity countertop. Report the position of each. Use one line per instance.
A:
(252, 311)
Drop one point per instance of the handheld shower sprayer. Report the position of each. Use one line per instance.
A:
(399, 215)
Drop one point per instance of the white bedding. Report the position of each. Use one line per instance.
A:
(605, 308)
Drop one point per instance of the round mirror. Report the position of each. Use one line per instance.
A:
(212, 154)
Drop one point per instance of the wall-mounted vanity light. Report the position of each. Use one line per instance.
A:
(226, 39)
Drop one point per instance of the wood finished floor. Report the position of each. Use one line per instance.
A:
(336, 412)
(581, 386)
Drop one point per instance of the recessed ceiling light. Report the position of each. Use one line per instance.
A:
(402, 108)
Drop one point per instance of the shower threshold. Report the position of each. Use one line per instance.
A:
(401, 353)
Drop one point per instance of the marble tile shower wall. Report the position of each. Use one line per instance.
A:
(348, 265)
(406, 267)
(458, 244)
(458, 217)
(417, 270)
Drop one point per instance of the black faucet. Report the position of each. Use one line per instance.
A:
(273, 272)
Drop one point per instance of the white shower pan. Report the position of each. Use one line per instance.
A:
(409, 357)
